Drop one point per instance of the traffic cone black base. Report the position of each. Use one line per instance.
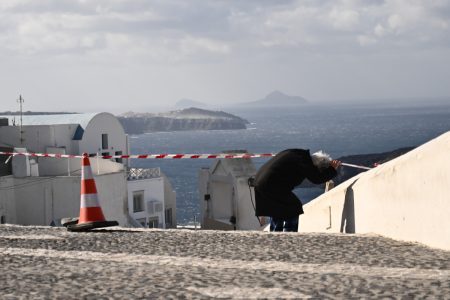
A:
(91, 225)
(69, 221)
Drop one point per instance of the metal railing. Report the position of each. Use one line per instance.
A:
(138, 173)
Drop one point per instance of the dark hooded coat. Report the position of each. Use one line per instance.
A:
(276, 179)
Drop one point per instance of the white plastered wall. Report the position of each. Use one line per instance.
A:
(170, 200)
(112, 189)
(104, 123)
(245, 214)
(39, 200)
(37, 138)
(407, 198)
(7, 203)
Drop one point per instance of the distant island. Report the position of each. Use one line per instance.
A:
(179, 120)
(35, 113)
(277, 98)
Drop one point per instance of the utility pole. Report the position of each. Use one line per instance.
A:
(21, 101)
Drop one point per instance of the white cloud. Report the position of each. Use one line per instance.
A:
(395, 22)
(344, 19)
(379, 30)
(364, 40)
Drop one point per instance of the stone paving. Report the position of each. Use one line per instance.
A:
(120, 263)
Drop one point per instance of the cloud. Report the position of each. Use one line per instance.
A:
(189, 29)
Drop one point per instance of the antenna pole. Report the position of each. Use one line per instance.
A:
(21, 101)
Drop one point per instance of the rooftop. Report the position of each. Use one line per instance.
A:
(82, 119)
(142, 263)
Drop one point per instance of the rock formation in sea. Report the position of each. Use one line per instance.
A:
(185, 119)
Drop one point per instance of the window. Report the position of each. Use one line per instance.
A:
(138, 201)
(153, 222)
(119, 160)
(169, 217)
(104, 141)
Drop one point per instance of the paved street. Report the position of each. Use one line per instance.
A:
(119, 263)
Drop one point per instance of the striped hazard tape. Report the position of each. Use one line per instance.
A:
(146, 156)
(162, 156)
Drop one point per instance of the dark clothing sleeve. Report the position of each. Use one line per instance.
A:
(276, 179)
(318, 176)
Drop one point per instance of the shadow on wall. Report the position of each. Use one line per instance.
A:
(348, 212)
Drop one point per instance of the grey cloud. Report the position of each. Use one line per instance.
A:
(262, 25)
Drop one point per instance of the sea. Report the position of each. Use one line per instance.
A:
(336, 128)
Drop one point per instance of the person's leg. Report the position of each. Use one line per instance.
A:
(291, 224)
(276, 224)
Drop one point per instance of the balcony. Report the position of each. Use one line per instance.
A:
(138, 173)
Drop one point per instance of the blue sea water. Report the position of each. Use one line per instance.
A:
(337, 129)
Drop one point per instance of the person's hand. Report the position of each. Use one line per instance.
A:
(335, 164)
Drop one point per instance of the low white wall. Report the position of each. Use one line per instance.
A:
(112, 192)
(245, 212)
(170, 200)
(39, 200)
(64, 166)
(407, 198)
(7, 204)
(36, 138)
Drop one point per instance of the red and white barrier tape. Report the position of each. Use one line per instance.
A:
(146, 156)
(161, 156)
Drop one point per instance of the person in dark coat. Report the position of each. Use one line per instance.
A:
(276, 179)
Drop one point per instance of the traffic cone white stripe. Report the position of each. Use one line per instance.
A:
(86, 173)
(89, 200)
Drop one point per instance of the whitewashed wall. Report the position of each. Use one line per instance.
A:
(112, 189)
(245, 212)
(7, 203)
(407, 198)
(37, 138)
(227, 184)
(170, 200)
(39, 200)
(100, 124)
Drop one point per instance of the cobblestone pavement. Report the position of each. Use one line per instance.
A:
(119, 263)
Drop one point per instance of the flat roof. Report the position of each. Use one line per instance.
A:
(80, 119)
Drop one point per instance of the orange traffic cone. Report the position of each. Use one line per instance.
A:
(91, 214)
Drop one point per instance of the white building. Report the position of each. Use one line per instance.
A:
(226, 199)
(153, 204)
(41, 191)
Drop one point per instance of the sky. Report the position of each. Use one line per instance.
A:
(122, 55)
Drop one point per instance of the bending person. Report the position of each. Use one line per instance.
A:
(276, 179)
